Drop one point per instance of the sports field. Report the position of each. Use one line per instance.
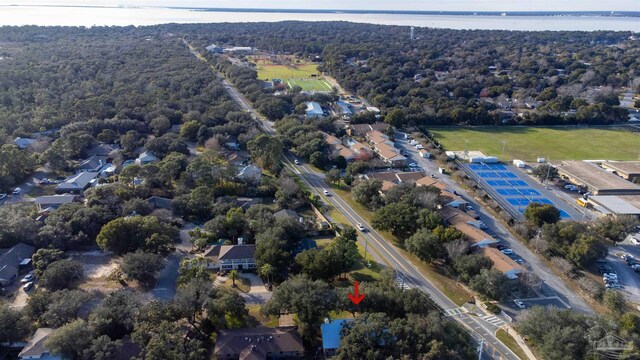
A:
(310, 84)
(557, 143)
(291, 71)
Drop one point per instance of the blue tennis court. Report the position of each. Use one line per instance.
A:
(497, 183)
(517, 192)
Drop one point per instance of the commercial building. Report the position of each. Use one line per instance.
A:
(314, 110)
(361, 129)
(466, 224)
(616, 205)
(376, 137)
(629, 170)
(502, 262)
(597, 180)
(258, 343)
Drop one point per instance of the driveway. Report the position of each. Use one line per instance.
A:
(185, 238)
(166, 285)
(20, 301)
(258, 294)
(552, 284)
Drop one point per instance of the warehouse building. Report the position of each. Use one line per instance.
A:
(597, 180)
(616, 205)
(629, 170)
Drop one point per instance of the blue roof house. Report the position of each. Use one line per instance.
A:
(314, 109)
(332, 334)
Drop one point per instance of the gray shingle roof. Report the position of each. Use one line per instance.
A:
(257, 343)
(35, 347)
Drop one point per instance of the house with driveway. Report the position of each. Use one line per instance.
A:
(231, 257)
(77, 183)
(12, 260)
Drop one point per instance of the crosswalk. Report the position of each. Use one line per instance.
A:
(494, 320)
(401, 283)
(455, 311)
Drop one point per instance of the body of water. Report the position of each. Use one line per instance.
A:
(107, 16)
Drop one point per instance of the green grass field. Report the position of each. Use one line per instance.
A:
(558, 143)
(268, 72)
(310, 84)
(303, 74)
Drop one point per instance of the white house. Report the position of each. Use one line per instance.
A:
(231, 257)
(146, 158)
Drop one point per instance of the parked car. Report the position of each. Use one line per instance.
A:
(16, 191)
(507, 251)
(28, 278)
(502, 246)
(28, 286)
(360, 227)
(413, 165)
(519, 304)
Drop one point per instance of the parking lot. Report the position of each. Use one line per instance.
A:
(628, 278)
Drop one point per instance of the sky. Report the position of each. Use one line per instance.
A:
(437, 5)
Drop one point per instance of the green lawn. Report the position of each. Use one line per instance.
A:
(511, 343)
(318, 84)
(529, 143)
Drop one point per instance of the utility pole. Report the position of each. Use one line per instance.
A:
(546, 180)
(466, 152)
(366, 245)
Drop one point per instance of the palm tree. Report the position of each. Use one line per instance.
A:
(266, 271)
(234, 276)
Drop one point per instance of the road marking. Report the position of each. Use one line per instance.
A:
(456, 311)
(494, 320)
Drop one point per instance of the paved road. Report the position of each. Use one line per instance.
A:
(552, 283)
(166, 285)
(479, 329)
